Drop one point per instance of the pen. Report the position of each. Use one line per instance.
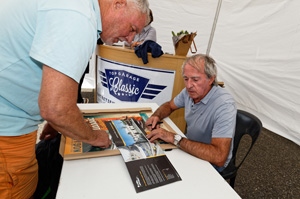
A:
(156, 123)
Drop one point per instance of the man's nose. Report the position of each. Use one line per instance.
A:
(130, 37)
(189, 83)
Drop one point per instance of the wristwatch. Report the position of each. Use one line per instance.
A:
(177, 139)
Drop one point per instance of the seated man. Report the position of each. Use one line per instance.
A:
(210, 114)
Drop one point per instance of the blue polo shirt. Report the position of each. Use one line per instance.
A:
(213, 117)
(59, 33)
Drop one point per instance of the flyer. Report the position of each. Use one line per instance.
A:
(146, 162)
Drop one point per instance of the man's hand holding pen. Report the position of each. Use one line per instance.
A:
(152, 124)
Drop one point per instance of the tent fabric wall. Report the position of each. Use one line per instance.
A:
(256, 45)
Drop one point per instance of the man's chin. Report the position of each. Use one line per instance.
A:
(193, 96)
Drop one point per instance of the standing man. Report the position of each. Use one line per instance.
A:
(210, 114)
(45, 46)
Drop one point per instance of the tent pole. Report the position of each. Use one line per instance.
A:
(213, 27)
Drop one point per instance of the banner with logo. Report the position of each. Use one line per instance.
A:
(120, 82)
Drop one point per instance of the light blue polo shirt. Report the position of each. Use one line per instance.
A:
(213, 117)
(59, 33)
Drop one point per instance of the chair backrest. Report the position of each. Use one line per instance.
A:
(246, 123)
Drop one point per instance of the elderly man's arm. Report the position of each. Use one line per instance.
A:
(163, 111)
(215, 153)
(58, 105)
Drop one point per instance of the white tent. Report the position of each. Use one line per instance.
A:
(256, 44)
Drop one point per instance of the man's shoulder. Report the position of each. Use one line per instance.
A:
(81, 6)
(220, 97)
(222, 94)
(182, 98)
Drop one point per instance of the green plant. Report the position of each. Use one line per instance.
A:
(180, 33)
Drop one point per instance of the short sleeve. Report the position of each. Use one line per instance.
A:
(224, 126)
(64, 41)
(179, 100)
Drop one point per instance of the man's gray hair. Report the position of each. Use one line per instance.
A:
(143, 6)
(210, 68)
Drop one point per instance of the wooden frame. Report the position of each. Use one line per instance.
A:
(125, 112)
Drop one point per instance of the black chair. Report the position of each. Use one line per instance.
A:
(246, 123)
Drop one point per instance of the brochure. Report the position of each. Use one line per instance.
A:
(146, 162)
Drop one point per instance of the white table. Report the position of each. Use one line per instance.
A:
(108, 177)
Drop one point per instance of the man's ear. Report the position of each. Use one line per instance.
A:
(119, 4)
(211, 80)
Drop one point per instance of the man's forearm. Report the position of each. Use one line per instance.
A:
(163, 111)
(211, 153)
(71, 124)
(57, 102)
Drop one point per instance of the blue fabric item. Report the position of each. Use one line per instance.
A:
(60, 34)
(148, 46)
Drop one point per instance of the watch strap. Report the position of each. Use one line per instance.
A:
(177, 139)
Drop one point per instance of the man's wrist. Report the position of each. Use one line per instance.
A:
(156, 116)
(177, 140)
